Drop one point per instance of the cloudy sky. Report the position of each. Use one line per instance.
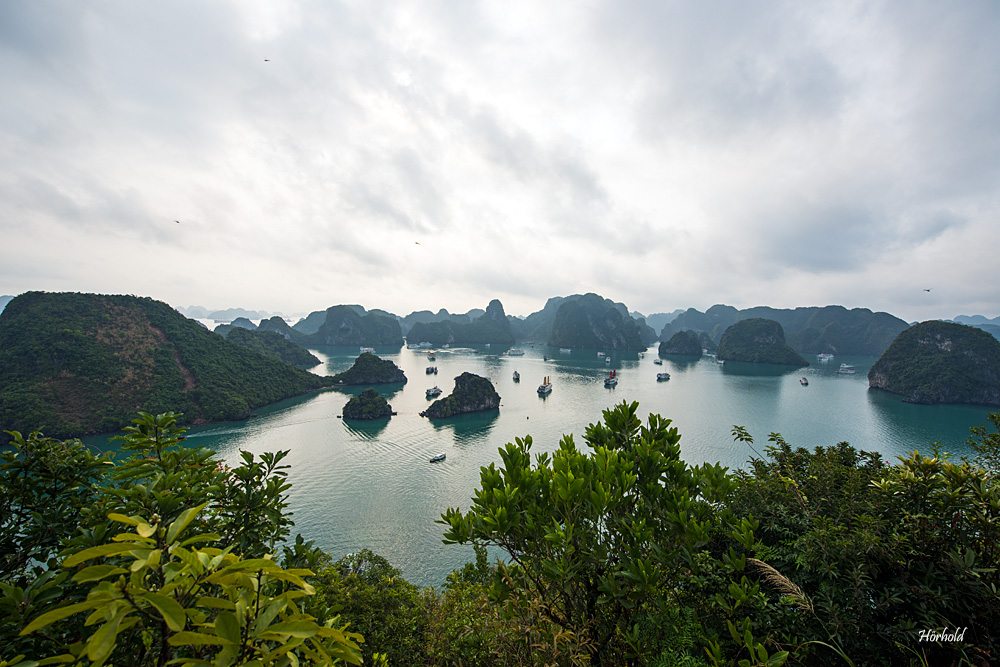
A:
(410, 155)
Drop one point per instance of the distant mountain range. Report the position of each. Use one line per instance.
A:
(811, 330)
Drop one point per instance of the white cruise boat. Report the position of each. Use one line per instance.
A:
(515, 352)
(433, 391)
(824, 356)
(846, 370)
(660, 377)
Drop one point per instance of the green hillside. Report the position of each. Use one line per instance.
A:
(941, 362)
(86, 363)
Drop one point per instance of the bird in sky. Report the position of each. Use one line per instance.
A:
(267, 60)
(177, 221)
(417, 242)
(929, 289)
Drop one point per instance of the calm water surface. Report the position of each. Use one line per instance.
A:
(358, 485)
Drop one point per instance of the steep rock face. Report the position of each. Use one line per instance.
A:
(472, 393)
(492, 326)
(592, 322)
(344, 326)
(367, 405)
(758, 341)
(941, 362)
(682, 342)
(370, 369)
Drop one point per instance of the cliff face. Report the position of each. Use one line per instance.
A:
(591, 322)
(490, 327)
(370, 369)
(682, 342)
(941, 362)
(472, 393)
(758, 341)
(86, 363)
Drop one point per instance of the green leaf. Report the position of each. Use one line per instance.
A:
(182, 522)
(227, 627)
(188, 638)
(169, 608)
(58, 614)
(97, 572)
(97, 552)
(301, 629)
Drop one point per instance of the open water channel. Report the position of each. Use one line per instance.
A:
(370, 485)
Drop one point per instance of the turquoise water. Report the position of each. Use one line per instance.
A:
(358, 485)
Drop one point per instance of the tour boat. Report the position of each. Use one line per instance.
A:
(824, 356)
(439, 457)
(846, 370)
(432, 369)
(517, 376)
(803, 382)
(565, 350)
(431, 356)
(433, 391)
(611, 380)
(660, 377)
(370, 350)
(515, 352)
(545, 387)
(658, 362)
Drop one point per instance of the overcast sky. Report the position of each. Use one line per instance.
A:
(411, 155)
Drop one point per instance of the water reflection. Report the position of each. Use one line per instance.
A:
(903, 424)
(366, 429)
(681, 362)
(757, 370)
(468, 427)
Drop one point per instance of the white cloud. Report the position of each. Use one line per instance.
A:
(424, 155)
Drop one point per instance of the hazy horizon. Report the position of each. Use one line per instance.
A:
(410, 156)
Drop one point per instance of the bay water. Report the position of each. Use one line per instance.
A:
(370, 485)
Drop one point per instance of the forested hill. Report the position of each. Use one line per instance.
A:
(86, 363)
(811, 330)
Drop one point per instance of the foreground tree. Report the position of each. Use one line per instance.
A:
(594, 538)
(170, 562)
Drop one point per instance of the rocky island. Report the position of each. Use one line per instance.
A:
(683, 342)
(472, 393)
(370, 369)
(491, 327)
(941, 362)
(367, 405)
(593, 322)
(758, 341)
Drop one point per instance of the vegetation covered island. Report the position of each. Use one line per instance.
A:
(758, 341)
(491, 327)
(941, 362)
(367, 405)
(371, 369)
(472, 393)
(683, 342)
